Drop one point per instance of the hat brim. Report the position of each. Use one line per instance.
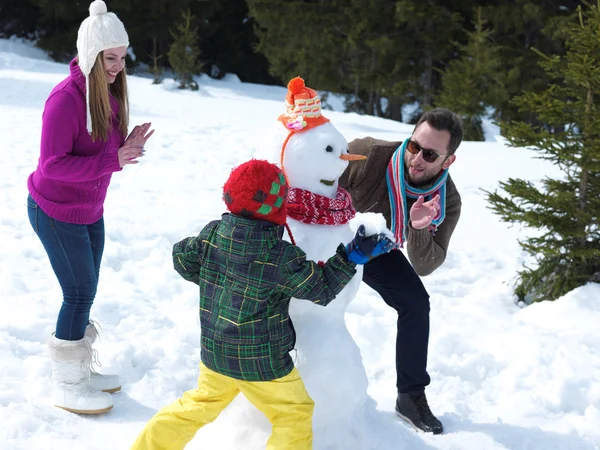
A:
(311, 122)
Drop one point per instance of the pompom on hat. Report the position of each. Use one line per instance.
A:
(257, 189)
(100, 31)
(303, 107)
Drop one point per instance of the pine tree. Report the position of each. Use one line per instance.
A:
(471, 83)
(155, 69)
(184, 53)
(565, 210)
(518, 26)
(376, 66)
(302, 38)
(373, 50)
(228, 41)
(433, 26)
(18, 19)
(57, 26)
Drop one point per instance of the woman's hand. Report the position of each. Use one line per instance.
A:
(139, 135)
(134, 144)
(128, 154)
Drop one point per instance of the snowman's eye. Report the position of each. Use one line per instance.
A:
(329, 149)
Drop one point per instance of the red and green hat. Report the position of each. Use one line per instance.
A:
(257, 189)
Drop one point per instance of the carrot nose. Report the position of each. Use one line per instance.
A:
(350, 157)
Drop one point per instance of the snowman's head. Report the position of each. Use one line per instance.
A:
(312, 152)
(315, 159)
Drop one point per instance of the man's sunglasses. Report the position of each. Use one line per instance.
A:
(428, 154)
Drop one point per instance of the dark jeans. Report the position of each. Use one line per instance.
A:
(394, 278)
(75, 252)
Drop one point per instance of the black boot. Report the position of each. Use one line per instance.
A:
(415, 410)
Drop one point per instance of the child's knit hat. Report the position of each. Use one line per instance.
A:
(100, 31)
(257, 189)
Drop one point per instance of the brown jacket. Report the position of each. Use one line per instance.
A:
(366, 182)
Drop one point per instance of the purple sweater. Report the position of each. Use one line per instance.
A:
(73, 173)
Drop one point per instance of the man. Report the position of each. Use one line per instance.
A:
(408, 182)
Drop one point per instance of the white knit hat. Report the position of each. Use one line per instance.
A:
(101, 31)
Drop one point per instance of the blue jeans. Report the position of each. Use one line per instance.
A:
(75, 252)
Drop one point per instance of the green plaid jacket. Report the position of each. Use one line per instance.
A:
(247, 275)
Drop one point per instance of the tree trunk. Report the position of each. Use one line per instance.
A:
(373, 94)
(378, 108)
(356, 92)
(394, 111)
(585, 177)
(371, 104)
(427, 77)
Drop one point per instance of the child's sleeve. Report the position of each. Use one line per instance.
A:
(187, 254)
(317, 282)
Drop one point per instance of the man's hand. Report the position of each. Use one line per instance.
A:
(422, 212)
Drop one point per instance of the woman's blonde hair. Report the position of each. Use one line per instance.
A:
(100, 104)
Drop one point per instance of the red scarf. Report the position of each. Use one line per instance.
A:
(308, 207)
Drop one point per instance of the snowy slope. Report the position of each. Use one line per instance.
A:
(502, 377)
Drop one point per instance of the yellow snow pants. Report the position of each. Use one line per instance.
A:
(284, 401)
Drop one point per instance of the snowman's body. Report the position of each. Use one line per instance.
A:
(326, 355)
(332, 369)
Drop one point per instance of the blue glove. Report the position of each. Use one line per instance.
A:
(362, 248)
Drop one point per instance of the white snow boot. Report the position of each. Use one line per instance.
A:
(71, 362)
(99, 381)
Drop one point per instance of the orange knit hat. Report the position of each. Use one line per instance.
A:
(303, 107)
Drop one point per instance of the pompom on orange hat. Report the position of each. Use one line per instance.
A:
(303, 107)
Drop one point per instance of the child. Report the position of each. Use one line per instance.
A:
(247, 275)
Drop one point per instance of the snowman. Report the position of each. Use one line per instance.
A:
(313, 155)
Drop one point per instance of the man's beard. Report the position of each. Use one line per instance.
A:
(421, 182)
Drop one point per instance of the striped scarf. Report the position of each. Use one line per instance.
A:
(399, 190)
(308, 207)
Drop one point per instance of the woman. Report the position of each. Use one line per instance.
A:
(84, 125)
